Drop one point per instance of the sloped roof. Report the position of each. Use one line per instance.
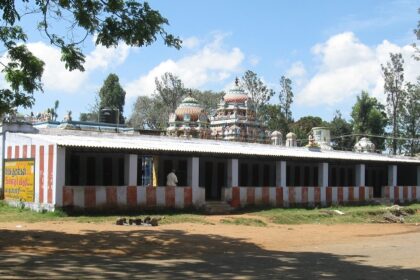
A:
(160, 144)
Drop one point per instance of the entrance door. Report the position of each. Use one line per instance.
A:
(208, 183)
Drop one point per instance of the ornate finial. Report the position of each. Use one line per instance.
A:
(237, 81)
(190, 94)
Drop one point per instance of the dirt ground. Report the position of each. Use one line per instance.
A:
(70, 250)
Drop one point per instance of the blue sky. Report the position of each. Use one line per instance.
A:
(330, 49)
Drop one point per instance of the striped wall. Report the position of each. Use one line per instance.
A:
(127, 197)
(44, 156)
(296, 196)
(401, 194)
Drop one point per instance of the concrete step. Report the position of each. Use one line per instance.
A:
(217, 207)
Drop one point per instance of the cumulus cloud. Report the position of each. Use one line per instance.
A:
(347, 66)
(190, 42)
(211, 63)
(57, 77)
(297, 70)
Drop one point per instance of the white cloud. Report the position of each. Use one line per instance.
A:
(297, 70)
(211, 63)
(348, 66)
(57, 77)
(190, 42)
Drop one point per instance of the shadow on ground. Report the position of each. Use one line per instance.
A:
(170, 254)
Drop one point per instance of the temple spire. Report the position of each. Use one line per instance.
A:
(237, 81)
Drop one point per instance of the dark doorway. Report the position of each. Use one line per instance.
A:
(221, 179)
(182, 173)
(208, 166)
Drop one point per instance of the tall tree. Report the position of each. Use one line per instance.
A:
(369, 118)
(208, 99)
(53, 110)
(112, 95)
(286, 97)
(393, 73)
(170, 90)
(340, 133)
(132, 22)
(149, 113)
(256, 89)
(417, 33)
(273, 118)
(411, 118)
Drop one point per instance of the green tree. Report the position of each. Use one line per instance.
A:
(149, 113)
(53, 110)
(417, 33)
(208, 99)
(273, 118)
(286, 97)
(256, 89)
(112, 95)
(340, 131)
(132, 22)
(170, 90)
(303, 126)
(411, 118)
(393, 73)
(369, 118)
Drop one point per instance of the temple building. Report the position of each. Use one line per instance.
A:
(189, 120)
(235, 119)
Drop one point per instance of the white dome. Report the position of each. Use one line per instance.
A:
(364, 146)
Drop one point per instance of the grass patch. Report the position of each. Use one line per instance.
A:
(14, 214)
(244, 222)
(352, 214)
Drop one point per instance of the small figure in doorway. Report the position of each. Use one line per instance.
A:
(171, 179)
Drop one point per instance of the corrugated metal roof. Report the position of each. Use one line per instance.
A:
(170, 144)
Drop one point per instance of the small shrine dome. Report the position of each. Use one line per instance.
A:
(364, 146)
(276, 133)
(291, 135)
(236, 94)
(189, 106)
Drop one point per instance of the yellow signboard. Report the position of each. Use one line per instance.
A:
(19, 179)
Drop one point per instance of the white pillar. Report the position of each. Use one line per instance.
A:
(323, 174)
(60, 174)
(418, 176)
(233, 173)
(130, 170)
(280, 173)
(360, 175)
(193, 178)
(392, 175)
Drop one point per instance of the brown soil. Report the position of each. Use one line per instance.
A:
(70, 250)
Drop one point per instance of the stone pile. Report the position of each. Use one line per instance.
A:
(138, 222)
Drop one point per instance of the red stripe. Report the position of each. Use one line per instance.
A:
(33, 149)
(236, 200)
(413, 194)
(405, 193)
(111, 196)
(90, 197)
(292, 196)
(25, 151)
(67, 196)
(305, 196)
(351, 194)
(279, 196)
(9, 152)
(361, 193)
(132, 196)
(387, 192)
(187, 197)
(50, 172)
(396, 194)
(170, 197)
(250, 196)
(340, 194)
(329, 195)
(41, 174)
(17, 152)
(265, 195)
(151, 197)
(317, 194)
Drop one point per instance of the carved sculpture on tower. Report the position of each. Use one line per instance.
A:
(189, 120)
(235, 119)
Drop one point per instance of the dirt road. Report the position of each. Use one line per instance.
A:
(180, 251)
